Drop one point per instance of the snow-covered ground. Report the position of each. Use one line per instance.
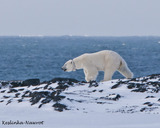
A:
(63, 104)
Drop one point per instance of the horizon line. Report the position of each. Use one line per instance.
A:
(69, 35)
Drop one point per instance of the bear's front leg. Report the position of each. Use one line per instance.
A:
(90, 74)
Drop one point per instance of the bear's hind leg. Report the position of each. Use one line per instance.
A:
(108, 74)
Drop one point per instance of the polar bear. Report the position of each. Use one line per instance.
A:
(106, 60)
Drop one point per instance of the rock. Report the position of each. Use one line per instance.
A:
(37, 88)
(53, 94)
(150, 97)
(1, 101)
(21, 89)
(4, 83)
(45, 87)
(120, 82)
(47, 100)
(100, 90)
(100, 102)
(62, 86)
(27, 94)
(3, 91)
(59, 107)
(131, 85)
(40, 106)
(115, 86)
(114, 97)
(94, 90)
(17, 94)
(15, 84)
(142, 109)
(6, 97)
(20, 100)
(140, 89)
(9, 101)
(32, 82)
(58, 98)
(65, 80)
(12, 90)
(93, 84)
(36, 96)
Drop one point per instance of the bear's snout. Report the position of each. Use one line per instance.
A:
(64, 69)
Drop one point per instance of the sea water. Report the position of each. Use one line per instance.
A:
(42, 57)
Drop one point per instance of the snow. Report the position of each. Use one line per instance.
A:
(70, 119)
(88, 107)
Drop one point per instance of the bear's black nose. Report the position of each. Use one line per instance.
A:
(64, 69)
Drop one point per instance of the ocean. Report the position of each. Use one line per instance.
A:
(42, 57)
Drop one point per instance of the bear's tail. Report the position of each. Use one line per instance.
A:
(124, 70)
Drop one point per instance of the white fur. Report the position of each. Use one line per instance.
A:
(107, 61)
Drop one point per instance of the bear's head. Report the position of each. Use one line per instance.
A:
(69, 66)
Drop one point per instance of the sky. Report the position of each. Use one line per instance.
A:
(80, 17)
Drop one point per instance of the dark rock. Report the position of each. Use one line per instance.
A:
(94, 90)
(138, 85)
(40, 106)
(131, 85)
(100, 102)
(150, 97)
(3, 91)
(115, 86)
(119, 83)
(155, 84)
(93, 84)
(21, 89)
(4, 83)
(6, 97)
(62, 86)
(27, 94)
(140, 89)
(9, 101)
(32, 82)
(37, 88)
(16, 84)
(47, 100)
(35, 99)
(133, 79)
(66, 80)
(1, 101)
(53, 94)
(154, 76)
(17, 94)
(58, 98)
(148, 103)
(36, 96)
(50, 88)
(114, 97)
(142, 109)
(117, 96)
(20, 100)
(59, 107)
(45, 87)
(12, 90)
(100, 90)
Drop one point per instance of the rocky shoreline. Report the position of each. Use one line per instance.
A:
(61, 93)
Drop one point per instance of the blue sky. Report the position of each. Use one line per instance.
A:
(80, 17)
